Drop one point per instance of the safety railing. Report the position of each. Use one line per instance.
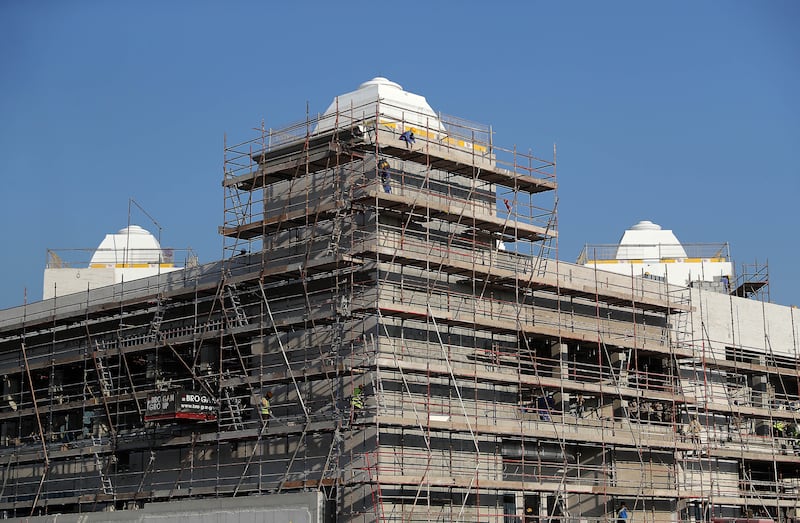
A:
(672, 252)
(465, 307)
(362, 121)
(404, 242)
(80, 258)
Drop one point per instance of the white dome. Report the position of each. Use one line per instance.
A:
(132, 244)
(648, 241)
(380, 80)
(133, 229)
(646, 225)
(380, 95)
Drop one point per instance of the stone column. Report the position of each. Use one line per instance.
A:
(559, 352)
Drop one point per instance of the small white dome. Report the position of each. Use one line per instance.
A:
(132, 244)
(380, 80)
(646, 225)
(133, 229)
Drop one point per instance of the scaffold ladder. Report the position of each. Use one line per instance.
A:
(105, 481)
(333, 453)
(104, 376)
(234, 409)
(239, 316)
(155, 323)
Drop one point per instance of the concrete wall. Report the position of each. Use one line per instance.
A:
(754, 325)
(703, 477)
(681, 273)
(59, 282)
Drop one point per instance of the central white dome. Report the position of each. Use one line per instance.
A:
(385, 99)
(646, 225)
(380, 80)
(647, 240)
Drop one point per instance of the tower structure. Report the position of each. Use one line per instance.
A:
(420, 249)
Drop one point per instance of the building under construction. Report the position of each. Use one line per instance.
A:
(390, 336)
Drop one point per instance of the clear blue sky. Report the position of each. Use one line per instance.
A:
(684, 113)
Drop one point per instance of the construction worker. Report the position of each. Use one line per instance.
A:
(408, 137)
(622, 513)
(633, 409)
(580, 405)
(266, 408)
(357, 402)
(793, 431)
(778, 428)
(87, 424)
(694, 430)
(551, 402)
(383, 169)
(645, 410)
(530, 515)
(658, 412)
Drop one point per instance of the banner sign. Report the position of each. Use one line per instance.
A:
(180, 404)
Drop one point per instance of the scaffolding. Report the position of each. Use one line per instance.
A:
(422, 354)
(752, 281)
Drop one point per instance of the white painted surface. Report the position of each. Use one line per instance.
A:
(729, 321)
(675, 273)
(61, 281)
(131, 244)
(648, 251)
(648, 241)
(381, 95)
(130, 254)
